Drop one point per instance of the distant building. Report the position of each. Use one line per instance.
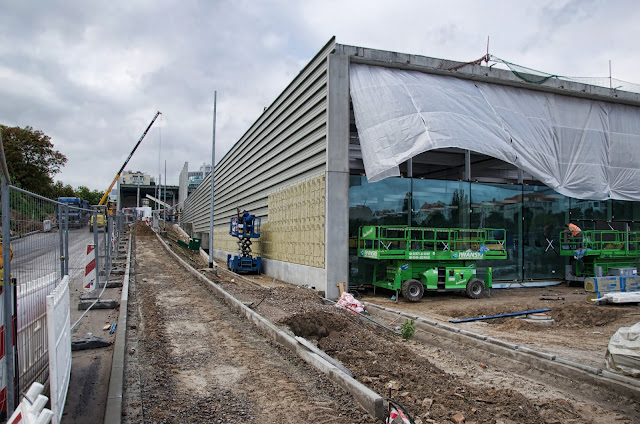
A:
(192, 179)
(137, 177)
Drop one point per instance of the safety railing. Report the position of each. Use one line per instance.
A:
(605, 243)
(402, 242)
(48, 241)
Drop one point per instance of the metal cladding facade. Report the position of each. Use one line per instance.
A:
(286, 146)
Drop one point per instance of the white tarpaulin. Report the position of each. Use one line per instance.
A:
(581, 148)
(623, 352)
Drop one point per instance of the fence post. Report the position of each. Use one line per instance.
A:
(107, 246)
(7, 287)
(97, 247)
(61, 236)
(66, 241)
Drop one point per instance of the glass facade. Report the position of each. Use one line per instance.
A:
(533, 217)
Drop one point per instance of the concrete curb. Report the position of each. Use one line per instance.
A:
(541, 361)
(372, 402)
(113, 409)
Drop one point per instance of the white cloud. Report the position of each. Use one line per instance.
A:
(92, 74)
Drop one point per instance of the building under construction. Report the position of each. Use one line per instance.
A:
(369, 137)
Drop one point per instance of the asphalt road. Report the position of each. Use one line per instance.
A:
(38, 254)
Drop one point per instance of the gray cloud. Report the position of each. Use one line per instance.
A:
(92, 74)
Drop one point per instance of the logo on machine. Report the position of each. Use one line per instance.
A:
(369, 254)
(368, 232)
(467, 255)
(404, 267)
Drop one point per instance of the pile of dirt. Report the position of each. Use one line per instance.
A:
(382, 361)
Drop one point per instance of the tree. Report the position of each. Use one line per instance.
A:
(60, 190)
(91, 196)
(31, 159)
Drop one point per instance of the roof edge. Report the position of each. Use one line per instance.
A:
(430, 65)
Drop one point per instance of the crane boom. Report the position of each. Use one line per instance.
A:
(106, 194)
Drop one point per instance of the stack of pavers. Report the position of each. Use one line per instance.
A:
(626, 281)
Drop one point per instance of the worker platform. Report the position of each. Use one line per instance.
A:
(411, 243)
(244, 228)
(600, 252)
(413, 260)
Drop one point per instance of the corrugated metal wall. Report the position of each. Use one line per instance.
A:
(285, 146)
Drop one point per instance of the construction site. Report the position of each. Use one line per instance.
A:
(259, 349)
(419, 240)
(493, 208)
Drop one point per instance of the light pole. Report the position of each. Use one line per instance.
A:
(213, 167)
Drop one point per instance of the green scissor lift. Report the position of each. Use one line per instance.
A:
(415, 259)
(597, 251)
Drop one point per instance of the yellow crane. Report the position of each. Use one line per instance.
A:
(106, 193)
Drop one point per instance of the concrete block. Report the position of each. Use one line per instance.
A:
(101, 304)
(586, 368)
(89, 342)
(621, 378)
(502, 343)
(543, 355)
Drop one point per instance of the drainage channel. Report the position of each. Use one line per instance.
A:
(447, 336)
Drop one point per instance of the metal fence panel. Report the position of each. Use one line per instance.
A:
(48, 242)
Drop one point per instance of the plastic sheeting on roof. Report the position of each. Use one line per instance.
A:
(581, 148)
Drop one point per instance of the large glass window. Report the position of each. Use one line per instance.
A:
(533, 217)
(627, 212)
(442, 204)
(500, 206)
(386, 202)
(544, 214)
(586, 213)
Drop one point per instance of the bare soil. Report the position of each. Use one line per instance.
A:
(580, 331)
(198, 361)
(435, 383)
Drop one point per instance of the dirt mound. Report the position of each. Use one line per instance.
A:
(315, 325)
(586, 315)
(512, 325)
(381, 360)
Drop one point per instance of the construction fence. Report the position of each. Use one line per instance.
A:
(49, 241)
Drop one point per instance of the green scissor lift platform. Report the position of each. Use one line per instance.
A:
(415, 259)
(596, 252)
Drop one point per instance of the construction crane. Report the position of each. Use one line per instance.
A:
(106, 193)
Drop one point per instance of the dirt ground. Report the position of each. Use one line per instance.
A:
(436, 384)
(580, 331)
(199, 362)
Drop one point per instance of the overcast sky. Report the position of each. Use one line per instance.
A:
(92, 74)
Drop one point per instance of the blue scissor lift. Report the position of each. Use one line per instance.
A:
(244, 229)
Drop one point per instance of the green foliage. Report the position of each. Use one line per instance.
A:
(31, 159)
(408, 329)
(91, 196)
(27, 213)
(61, 190)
